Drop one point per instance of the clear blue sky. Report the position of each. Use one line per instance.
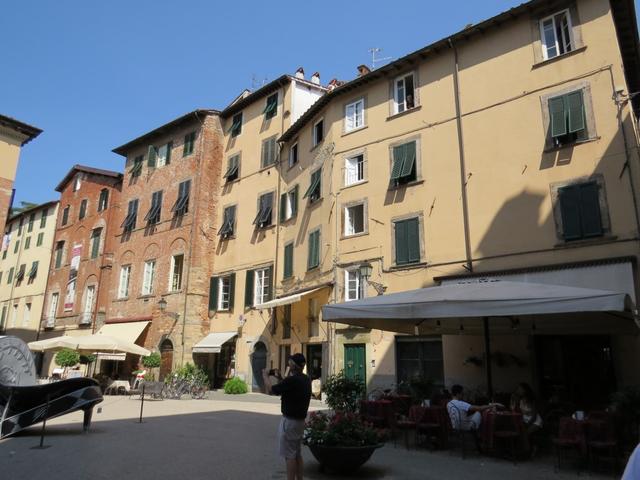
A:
(94, 75)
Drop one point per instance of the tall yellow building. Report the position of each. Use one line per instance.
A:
(509, 149)
(24, 264)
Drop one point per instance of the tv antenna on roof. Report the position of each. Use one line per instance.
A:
(375, 59)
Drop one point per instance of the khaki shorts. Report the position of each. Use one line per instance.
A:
(290, 434)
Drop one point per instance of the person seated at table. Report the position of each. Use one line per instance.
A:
(523, 401)
(470, 415)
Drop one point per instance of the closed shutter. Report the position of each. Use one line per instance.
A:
(413, 240)
(557, 116)
(151, 156)
(232, 290)
(288, 260)
(314, 250)
(399, 155)
(402, 255)
(269, 294)
(169, 148)
(213, 293)
(570, 212)
(248, 289)
(590, 210)
(575, 108)
(294, 201)
(283, 207)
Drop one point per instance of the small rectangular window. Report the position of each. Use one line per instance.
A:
(104, 200)
(32, 218)
(83, 209)
(53, 310)
(177, 262)
(265, 209)
(20, 226)
(155, 211)
(40, 239)
(10, 276)
(43, 218)
(233, 168)
(354, 220)
(404, 93)
(318, 132)
(77, 183)
(556, 34)
(129, 222)
(65, 216)
(269, 152)
(289, 204)
(354, 285)
(27, 243)
(20, 273)
(136, 168)
(262, 286)
(148, 277)
(314, 191)
(271, 108)
(288, 260)
(33, 272)
(163, 155)
(236, 125)
(16, 247)
(403, 168)
(59, 250)
(407, 240)
(228, 222)
(354, 170)
(181, 207)
(580, 211)
(96, 235)
(293, 155)
(313, 258)
(567, 118)
(224, 293)
(354, 115)
(123, 287)
(189, 144)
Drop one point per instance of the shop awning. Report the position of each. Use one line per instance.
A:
(520, 308)
(130, 331)
(118, 357)
(286, 300)
(213, 342)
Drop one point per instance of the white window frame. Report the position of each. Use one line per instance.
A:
(400, 107)
(77, 183)
(26, 315)
(123, 285)
(315, 136)
(292, 163)
(53, 308)
(224, 293)
(543, 40)
(288, 208)
(260, 286)
(353, 170)
(354, 283)
(175, 279)
(148, 277)
(89, 298)
(349, 225)
(161, 161)
(355, 119)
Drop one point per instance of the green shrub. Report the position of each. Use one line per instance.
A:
(189, 372)
(152, 361)
(87, 359)
(235, 386)
(67, 357)
(343, 394)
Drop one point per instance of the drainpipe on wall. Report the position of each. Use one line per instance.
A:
(463, 169)
(94, 312)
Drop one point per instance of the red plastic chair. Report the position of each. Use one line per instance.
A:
(570, 441)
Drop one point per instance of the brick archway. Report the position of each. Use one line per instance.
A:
(166, 358)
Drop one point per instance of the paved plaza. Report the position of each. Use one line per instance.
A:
(222, 437)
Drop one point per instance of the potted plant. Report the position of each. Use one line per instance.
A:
(339, 439)
(67, 358)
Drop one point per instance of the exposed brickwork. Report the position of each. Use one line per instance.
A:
(192, 235)
(95, 271)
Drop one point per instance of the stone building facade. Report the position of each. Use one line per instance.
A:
(163, 234)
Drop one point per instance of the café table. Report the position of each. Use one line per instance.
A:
(378, 412)
(115, 386)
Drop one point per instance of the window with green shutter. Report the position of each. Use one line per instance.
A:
(313, 257)
(567, 121)
(403, 168)
(580, 211)
(65, 216)
(271, 108)
(189, 144)
(236, 125)
(136, 169)
(96, 234)
(27, 243)
(269, 152)
(249, 289)
(43, 218)
(233, 168)
(59, 250)
(32, 218)
(314, 191)
(288, 260)
(40, 239)
(83, 209)
(407, 240)
(228, 222)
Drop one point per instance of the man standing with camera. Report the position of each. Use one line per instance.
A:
(295, 394)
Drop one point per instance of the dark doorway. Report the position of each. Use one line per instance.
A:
(354, 362)
(224, 364)
(575, 370)
(314, 361)
(166, 358)
(258, 363)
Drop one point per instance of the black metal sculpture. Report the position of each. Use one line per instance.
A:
(23, 403)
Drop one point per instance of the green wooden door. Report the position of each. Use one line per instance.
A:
(354, 362)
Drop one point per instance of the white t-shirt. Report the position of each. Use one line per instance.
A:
(463, 408)
(632, 471)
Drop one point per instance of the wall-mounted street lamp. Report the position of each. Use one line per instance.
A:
(365, 273)
(162, 304)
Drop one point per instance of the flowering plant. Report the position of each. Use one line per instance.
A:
(341, 430)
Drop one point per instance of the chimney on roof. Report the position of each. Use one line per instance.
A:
(300, 73)
(363, 70)
(315, 78)
(334, 83)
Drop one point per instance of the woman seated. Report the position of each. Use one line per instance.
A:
(523, 401)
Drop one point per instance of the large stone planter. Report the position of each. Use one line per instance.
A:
(342, 459)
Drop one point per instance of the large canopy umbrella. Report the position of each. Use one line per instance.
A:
(91, 343)
(514, 307)
(55, 343)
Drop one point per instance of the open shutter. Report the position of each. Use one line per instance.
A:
(590, 210)
(401, 242)
(151, 156)
(399, 154)
(271, 283)
(557, 117)
(575, 107)
(570, 212)
(413, 240)
(248, 289)
(409, 159)
(283, 207)
(294, 201)
(232, 290)
(169, 148)
(213, 293)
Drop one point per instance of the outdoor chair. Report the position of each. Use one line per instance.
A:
(570, 442)
(409, 424)
(601, 444)
(508, 434)
(457, 430)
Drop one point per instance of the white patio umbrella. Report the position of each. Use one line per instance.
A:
(55, 343)
(101, 343)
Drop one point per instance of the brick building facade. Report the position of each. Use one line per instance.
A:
(81, 253)
(164, 232)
